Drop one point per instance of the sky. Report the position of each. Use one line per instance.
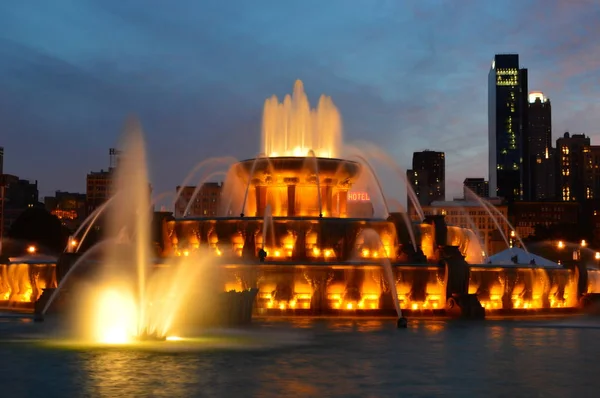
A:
(406, 76)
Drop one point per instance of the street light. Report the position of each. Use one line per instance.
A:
(561, 244)
(583, 243)
(31, 249)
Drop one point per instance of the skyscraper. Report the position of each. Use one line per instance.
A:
(572, 159)
(542, 163)
(507, 125)
(428, 176)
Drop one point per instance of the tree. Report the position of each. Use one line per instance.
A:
(36, 226)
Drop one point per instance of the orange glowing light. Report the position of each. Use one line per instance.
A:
(597, 256)
(583, 243)
(316, 251)
(31, 249)
(73, 242)
(349, 306)
(186, 253)
(561, 244)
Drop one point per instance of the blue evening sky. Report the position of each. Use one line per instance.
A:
(406, 74)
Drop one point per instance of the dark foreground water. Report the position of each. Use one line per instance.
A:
(317, 358)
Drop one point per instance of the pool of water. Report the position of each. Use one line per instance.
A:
(315, 357)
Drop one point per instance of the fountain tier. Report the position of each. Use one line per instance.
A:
(296, 186)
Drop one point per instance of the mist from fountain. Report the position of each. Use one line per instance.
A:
(373, 241)
(373, 152)
(380, 192)
(84, 259)
(199, 187)
(216, 161)
(292, 128)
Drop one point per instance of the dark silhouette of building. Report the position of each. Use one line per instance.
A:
(507, 128)
(18, 196)
(591, 172)
(1, 160)
(479, 186)
(529, 215)
(205, 204)
(541, 160)
(572, 150)
(428, 176)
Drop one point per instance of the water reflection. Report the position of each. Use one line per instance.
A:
(119, 373)
(353, 357)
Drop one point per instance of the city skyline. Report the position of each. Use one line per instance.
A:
(198, 77)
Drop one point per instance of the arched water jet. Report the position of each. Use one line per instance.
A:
(409, 226)
(198, 188)
(374, 175)
(260, 157)
(491, 208)
(379, 154)
(475, 231)
(223, 161)
(489, 211)
(160, 196)
(94, 216)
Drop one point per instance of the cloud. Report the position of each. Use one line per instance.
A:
(406, 75)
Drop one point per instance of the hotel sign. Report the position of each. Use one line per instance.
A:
(358, 197)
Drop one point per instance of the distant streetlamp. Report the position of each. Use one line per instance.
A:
(31, 249)
(583, 243)
(561, 244)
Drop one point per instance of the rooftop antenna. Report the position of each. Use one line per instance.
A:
(114, 157)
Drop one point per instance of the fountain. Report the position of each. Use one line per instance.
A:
(287, 242)
(131, 298)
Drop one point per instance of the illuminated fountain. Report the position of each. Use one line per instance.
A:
(288, 236)
(297, 240)
(122, 294)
